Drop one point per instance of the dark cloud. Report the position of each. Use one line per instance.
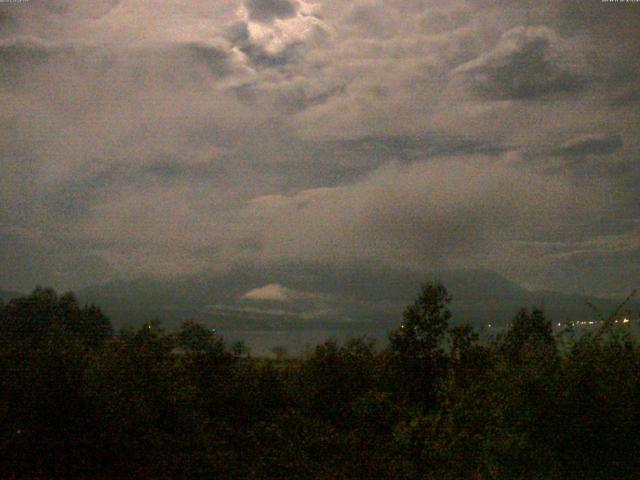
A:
(7, 23)
(46, 260)
(410, 148)
(268, 10)
(42, 8)
(299, 99)
(591, 145)
(594, 269)
(372, 19)
(238, 33)
(627, 96)
(260, 57)
(20, 56)
(598, 18)
(30, 62)
(526, 63)
(214, 58)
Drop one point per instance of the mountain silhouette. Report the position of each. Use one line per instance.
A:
(321, 296)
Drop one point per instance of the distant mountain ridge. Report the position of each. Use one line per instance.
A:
(313, 302)
(352, 298)
(322, 296)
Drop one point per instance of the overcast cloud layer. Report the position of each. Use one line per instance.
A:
(162, 137)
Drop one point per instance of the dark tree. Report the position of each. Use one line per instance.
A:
(417, 357)
(29, 320)
(462, 338)
(528, 329)
(424, 322)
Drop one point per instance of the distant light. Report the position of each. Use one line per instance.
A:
(489, 325)
(625, 320)
(559, 324)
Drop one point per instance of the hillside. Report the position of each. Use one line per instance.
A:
(357, 298)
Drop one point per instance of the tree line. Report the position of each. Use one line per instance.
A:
(78, 400)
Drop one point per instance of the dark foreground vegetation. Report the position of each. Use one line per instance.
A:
(78, 401)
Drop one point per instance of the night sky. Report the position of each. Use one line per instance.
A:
(170, 137)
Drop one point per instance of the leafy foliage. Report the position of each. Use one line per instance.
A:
(80, 401)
